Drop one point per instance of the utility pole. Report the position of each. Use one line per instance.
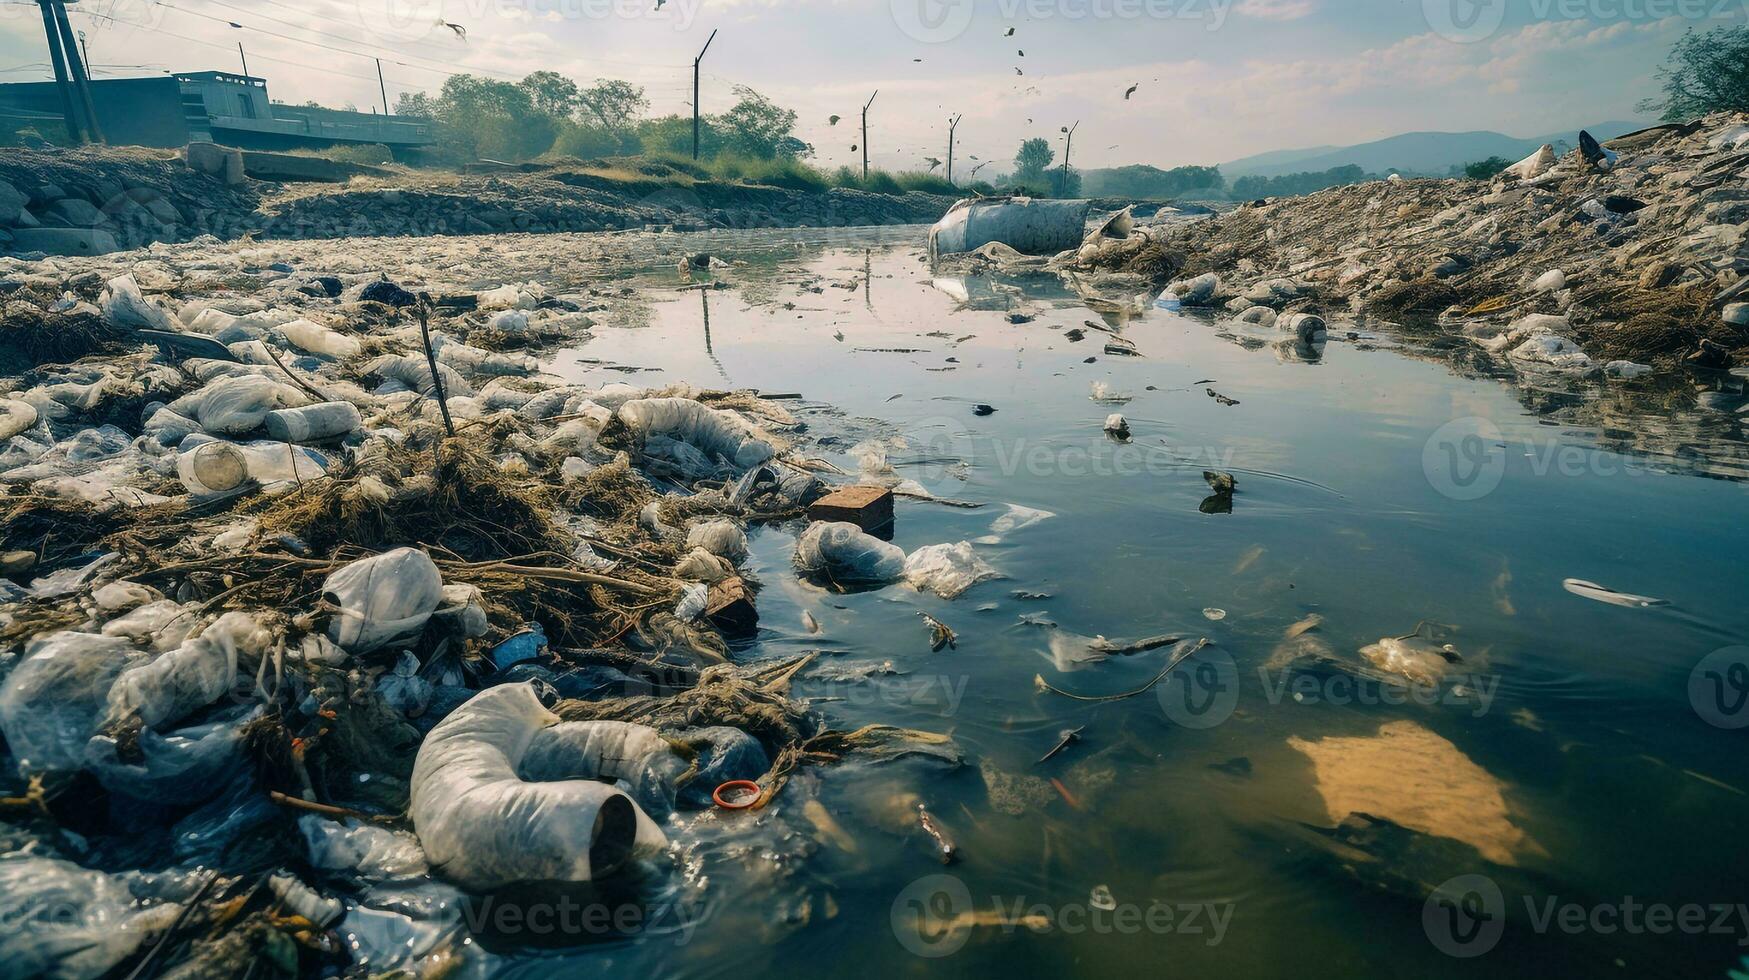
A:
(384, 88)
(951, 123)
(76, 66)
(1068, 142)
(85, 53)
(695, 61)
(75, 131)
(245, 58)
(865, 106)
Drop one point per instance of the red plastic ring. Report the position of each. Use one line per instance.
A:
(735, 784)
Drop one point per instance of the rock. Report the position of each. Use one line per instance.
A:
(1737, 314)
(1117, 425)
(45, 193)
(74, 212)
(26, 220)
(11, 203)
(1263, 316)
(220, 161)
(1197, 291)
(1627, 369)
(63, 241)
(1552, 281)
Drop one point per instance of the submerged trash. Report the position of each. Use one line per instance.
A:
(1065, 738)
(1599, 593)
(1027, 225)
(945, 848)
(940, 634)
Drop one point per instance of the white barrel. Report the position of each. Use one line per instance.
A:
(15, 417)
(313, 423)
(1028, 226)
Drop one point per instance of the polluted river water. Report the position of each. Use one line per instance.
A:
(1409, 686)
(1362, 657)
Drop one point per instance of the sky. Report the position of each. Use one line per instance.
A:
(1213, 80)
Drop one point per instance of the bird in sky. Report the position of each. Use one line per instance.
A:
(933, 162)
(1010, 33)
(459, 30)
(832, 120)
(1131, 91)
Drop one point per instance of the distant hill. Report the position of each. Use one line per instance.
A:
(1413, 153)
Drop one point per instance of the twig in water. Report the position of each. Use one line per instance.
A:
(1145, 688)
(431, 359)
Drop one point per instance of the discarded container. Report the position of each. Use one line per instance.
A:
(842, 552)
(313, 423)
(868, 507)
(382, 599)
(484, 826)
(1029, 226)
(737, 794)
(526, 645)
(729, 607)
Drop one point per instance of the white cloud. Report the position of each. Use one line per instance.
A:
(1276, 9)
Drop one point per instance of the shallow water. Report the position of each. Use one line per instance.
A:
(1382, 484)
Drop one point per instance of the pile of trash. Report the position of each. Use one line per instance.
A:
(1614, 257)
(328, 600)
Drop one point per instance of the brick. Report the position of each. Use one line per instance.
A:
(870, 508)
(730, 608)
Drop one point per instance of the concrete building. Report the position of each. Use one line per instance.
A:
(209, 106)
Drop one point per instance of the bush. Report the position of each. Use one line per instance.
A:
(928, 183)
(1486, 169)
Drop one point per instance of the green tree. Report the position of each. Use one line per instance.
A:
(1030, 162)
(1486, 169)
(552, 94)
(759, 128)
(616, 104)
(489, 118)
(1706, 72)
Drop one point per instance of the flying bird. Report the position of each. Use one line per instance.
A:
(1017, 71)
(933, 162)
(1020, 52)
(459, 30)
(1131, 91)
(1010, 33)
(832, 120)
(659, 4)
(1062, 129)
(853, 147)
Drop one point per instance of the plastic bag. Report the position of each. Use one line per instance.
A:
(161, 625)
(403, 689)
(15, 417)
(845, 553)
(724, 754)
(125, 306)
(190, 677)
(215, 467)
(382, 599)
(712, 432)
(238, 404)
(359, 849)
(635, 756)
(54, 699)
(414, 372)
(947, 569)
(317, 339)
(724, 539)
(483, 826)
(181, 768)
(64, 921)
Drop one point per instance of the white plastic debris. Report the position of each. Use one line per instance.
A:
(1197, 291)
(237, 405)
(723, 538)
(1535, 165)
(1552, 281)
(54, 699)
(1117, 425)
(1032, 227)
(67, 922)
(382, 599)
(483, 825)
(15, 417)
(946, 569)
(373, 853)
(125, 306)
(317, 339)
(844, 552)
(712, 432)
(313, 423)
(190, 677)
